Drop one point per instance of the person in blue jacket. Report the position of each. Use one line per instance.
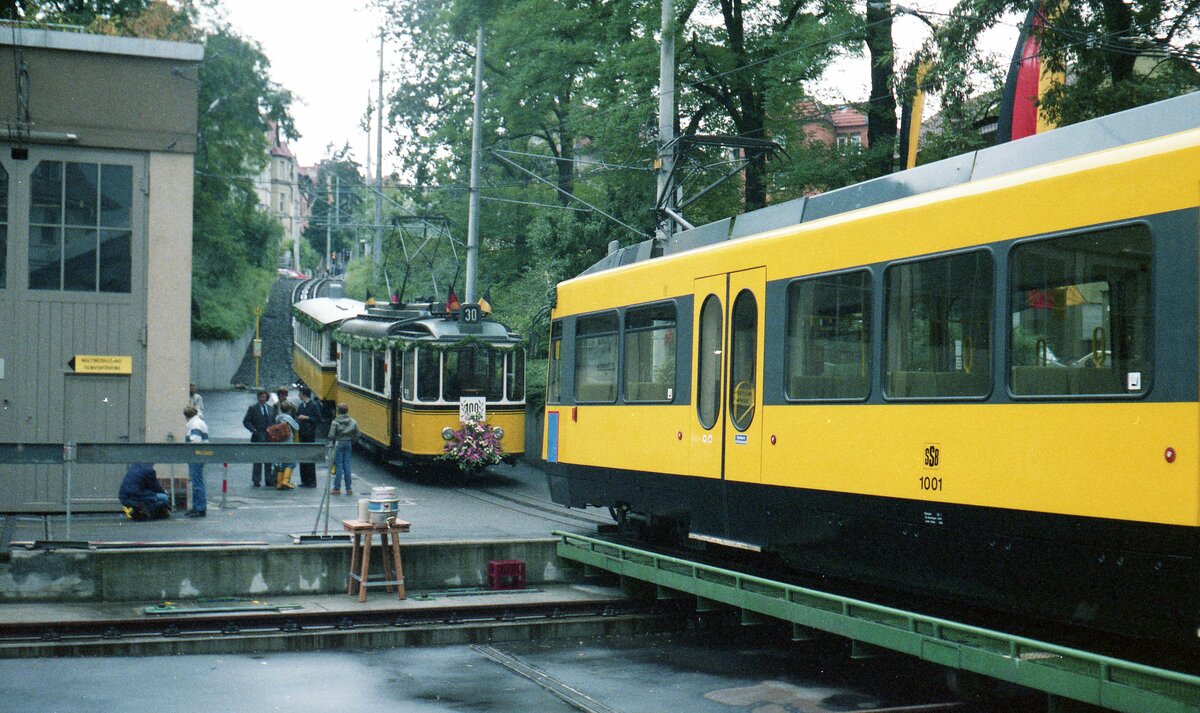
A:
(141, 495)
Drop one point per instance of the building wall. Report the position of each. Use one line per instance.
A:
(96, 252)
(169, 289)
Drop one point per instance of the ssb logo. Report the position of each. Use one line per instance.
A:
(932, 455)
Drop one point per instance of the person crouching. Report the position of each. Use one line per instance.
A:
(141, 495)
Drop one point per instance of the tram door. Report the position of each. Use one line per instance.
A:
(726, 429)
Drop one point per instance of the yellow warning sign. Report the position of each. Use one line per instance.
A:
(99, 364)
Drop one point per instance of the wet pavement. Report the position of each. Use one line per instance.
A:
(707, 672)
(448, 507)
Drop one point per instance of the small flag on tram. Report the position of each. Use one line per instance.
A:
(370, 298)
(452, 301)
(396, 297)
(485, 302)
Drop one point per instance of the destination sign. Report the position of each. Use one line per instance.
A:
(101, 364)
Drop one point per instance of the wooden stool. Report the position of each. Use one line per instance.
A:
(360, 556)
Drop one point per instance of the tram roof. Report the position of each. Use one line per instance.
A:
(420, 322)
(1139, 124)
(330, 310)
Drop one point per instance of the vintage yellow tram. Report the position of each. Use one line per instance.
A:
(314, 353)
(412, 373)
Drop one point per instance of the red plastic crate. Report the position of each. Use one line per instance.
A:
(506, 574)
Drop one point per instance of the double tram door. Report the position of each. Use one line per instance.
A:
(726, 430)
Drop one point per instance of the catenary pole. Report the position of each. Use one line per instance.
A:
(666, 198)
(328, 229)
(473, 209)
(377, 247)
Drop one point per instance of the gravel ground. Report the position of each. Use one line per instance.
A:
(275, 330)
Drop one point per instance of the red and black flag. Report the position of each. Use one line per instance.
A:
(452, 302)
(1028, 80)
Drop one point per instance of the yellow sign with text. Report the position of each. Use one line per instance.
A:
(99, 364)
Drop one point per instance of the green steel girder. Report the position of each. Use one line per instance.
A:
(1057, 670)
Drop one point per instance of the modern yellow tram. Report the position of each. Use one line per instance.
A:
(411, 374)
(976, 380)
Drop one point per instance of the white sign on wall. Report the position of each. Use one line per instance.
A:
(472, 408)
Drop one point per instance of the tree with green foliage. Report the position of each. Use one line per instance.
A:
(743, 65)
(235, 243)
(338, 200)
(1115, 54)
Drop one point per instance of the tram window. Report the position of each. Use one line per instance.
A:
(80, 227)
(1080, 310)
(333, 349)
(596, 358)
(344, 365)
(554, 373)
(355, 367)
(409, 372)
(708, 378)
(743, 359)
(829, 337)
(429, 375)
(939, 314)
(516, 374)
(379, 361)
(473, 372)
(650, 353)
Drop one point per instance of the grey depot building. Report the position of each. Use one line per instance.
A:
(96, 169)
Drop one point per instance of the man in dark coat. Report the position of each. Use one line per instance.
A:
(309, 416)
(141, 494)
(258, 417)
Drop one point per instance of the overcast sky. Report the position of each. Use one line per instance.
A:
(329, 59)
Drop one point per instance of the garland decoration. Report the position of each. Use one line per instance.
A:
(308, 320)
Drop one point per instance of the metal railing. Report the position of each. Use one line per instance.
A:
(69, 455)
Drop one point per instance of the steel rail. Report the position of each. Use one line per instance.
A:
(254, 629)
(571, 696)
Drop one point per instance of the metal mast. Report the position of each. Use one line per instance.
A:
(473, 210)
(377, 248)
(667, 201)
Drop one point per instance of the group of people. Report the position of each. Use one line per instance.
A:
(302, 420)
(143, 498)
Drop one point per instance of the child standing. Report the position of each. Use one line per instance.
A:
(342, 433)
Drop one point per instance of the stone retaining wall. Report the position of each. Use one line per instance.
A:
(215, 363)
(155, 574)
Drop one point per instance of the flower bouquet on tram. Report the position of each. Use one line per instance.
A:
(473, 447)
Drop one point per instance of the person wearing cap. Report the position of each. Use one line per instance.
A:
(197, 432)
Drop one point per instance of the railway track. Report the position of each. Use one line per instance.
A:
(310, 288)
(298, 628)
(534, 507)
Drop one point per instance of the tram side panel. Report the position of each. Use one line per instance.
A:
(1081, 509)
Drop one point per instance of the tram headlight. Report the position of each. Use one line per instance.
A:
(447, 433)
(499, 432)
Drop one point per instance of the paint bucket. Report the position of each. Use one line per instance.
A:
(382, 505)
(363, 512)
